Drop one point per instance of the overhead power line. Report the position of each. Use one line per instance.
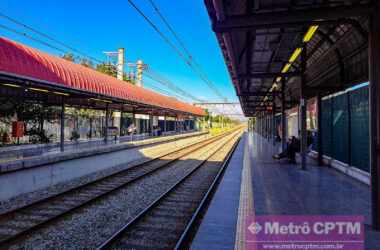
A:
(161, 80)
(42, 34)
(187, 52)
(163, 91)
(153, 75)
(30, 37)
(187, 59)
(155, 7)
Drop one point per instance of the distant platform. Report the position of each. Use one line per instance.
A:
(15, 158)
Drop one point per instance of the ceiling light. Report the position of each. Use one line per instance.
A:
(309, 34)
(60, 93)
(295, 54)
(11, 85)
(286, 68)
(40, 90)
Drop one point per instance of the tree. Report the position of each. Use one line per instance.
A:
(69, 57)
(111, 70)
(86, 62)
(107, 68)
(129, 79)
(207, 116)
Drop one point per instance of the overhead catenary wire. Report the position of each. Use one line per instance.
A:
(31, 37)
(162, 17)
(42, 34)
(154, 76)
(168, 84)
(187, 59)
(187, 52)
(163, 91)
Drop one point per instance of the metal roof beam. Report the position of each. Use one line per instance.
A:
(325, 88)
(267, 75)
(215, 103)
(291, 18)
(257, 93)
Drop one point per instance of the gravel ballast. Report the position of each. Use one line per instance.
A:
(134, 156)
(89, 227)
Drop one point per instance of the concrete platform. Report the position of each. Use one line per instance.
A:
(8, 163)
(25, 181)
(255, 183)
(218, 227)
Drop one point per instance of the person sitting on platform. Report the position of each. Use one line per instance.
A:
(292, 147)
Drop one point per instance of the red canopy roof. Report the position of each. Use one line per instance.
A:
(25, 61)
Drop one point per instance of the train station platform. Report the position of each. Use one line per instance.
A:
(256, 183)
(27, 156)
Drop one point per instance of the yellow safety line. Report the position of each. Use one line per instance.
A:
(246, 196)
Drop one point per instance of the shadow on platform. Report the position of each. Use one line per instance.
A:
(280, 188)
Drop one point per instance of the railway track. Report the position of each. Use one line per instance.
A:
(18, 223)
(169, 221)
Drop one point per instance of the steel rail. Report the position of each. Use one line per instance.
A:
(190, 229)
(119, 234)
(8, 216)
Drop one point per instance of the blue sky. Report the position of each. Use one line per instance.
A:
(97, 26)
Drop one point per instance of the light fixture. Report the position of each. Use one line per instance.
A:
(60, 93)
(39, 90)
(278, 79)
(309, 34)
(100, 100)
(274, 87)
(286, 68)
(295, 54)
(11, 85)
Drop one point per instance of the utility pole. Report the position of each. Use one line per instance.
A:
(120, 64)
(140, 67)
(111, 55)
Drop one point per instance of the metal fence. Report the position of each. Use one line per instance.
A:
(345, 127)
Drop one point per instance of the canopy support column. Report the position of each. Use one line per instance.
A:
(262, 125)
(267, 126)
(107, 124)
(62, 118)
(165, 123)
(283, 115)
(175, 124)
(258, 126)
(349, 140)
(150, 125)
(269, 117)
(274, 129)
(121, 121)
(320, 132)
(374, 100)
(303, 106)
